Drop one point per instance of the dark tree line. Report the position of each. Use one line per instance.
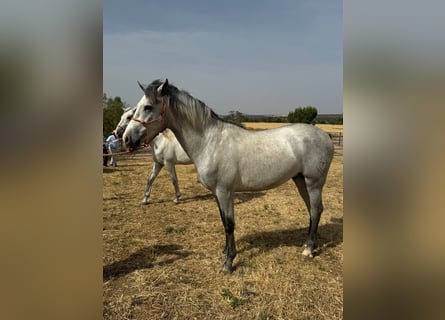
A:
(112, 108)
(308, 114)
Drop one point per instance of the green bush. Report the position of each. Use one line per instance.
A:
(303, 115)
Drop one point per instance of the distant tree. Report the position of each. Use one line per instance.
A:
(112, 112)
(236, 116)
(303, 115)
(104, 100)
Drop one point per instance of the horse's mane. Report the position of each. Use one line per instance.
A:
(129, 108)
(196, 111)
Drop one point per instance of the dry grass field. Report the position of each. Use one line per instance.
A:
(162, 260)
(333, 128)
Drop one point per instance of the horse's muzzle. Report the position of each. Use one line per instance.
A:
(130, 144)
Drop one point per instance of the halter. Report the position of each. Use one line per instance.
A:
(161, 119)
(119, 127)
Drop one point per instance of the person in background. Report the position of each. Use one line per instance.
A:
(113, 147)
(105, 152)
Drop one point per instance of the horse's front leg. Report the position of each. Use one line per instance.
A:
(172, 171)
(221, 214)
(225, 204)
(154, 173)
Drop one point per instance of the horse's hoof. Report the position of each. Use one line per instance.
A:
(226, 270)
(307, 252)
(176, 201)
(145, 202)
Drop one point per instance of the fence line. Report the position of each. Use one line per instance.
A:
(337, 138)
(137, 155)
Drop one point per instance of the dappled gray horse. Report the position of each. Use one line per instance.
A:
(165, 150)
(229, 158)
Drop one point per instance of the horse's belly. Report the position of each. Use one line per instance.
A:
(182, 158)
(263, 168)
(267, 178)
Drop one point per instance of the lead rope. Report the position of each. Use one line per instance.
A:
(125, 152)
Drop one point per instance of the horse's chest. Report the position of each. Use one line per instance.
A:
(206, 179)
(207, 175)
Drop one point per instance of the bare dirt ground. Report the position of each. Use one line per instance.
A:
(162, 260)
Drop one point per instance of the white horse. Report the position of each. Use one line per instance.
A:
(165, 150)
(229, 158)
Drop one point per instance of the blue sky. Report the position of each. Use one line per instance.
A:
(257, 57)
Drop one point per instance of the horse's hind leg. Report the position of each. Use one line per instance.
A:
(302, 189)
(154, 173)
(310, 190)
(172, 170)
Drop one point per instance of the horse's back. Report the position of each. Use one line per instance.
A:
(313, 147)
(311, 137)
(299, 138)
(268, 158)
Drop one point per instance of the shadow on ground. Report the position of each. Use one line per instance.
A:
(239, 198)
(110, 169)
(144, 258)
(247, 196)
(329, 235)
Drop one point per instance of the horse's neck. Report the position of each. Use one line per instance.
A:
(192, 140)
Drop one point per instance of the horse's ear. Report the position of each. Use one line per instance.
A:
(163, 89)
(141, 86)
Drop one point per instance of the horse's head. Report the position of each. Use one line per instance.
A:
(123, 123)
(149, 116)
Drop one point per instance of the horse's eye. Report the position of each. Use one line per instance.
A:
(129, 118)
(148, 108)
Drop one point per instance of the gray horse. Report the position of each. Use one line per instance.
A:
(230, 159)
(165, 151)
